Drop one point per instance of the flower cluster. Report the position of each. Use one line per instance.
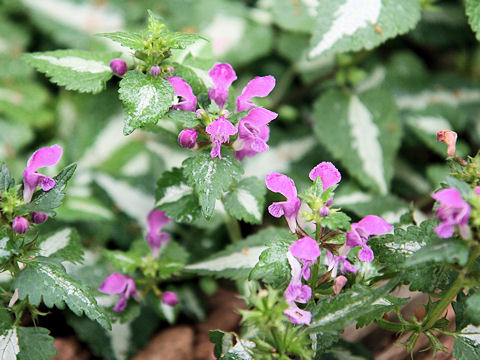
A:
(319, 198)
(123, 285)
(452, 211)
(251, 131)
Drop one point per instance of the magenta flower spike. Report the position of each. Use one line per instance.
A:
(307, 250)
(453, 210)
(118, 66)
(297, 315)
(20, 225)
(222, 75)
(39, 217)
(119, 284)
(187, 138)
(253, 132)
(46, 156)
(296, 292)
(170, 298)
(361, 231)
(257, 87)
(156, 220)
(220, 131)
(284, 185)
(188, 100)
(328, 173)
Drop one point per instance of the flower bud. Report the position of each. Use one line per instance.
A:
(118, 66)
(155, 70)
(20, 225)
(324, 211)
(187, 138)
(39, 217)
(171, 69)
(450, 138)
(170, 298)
(339, 283)
(200, 113)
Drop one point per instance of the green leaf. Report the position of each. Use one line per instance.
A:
(9, 347)
(272, 266)
(363, 132)
(35, 344)
(6, 181)
(223, 342)
(246, 200)
(295, 16)
(132, 40)
(331, 315)
(45, 279)
(465, 349)
(441, 250)
(237, 260)
(473, 308)
(176, 198)
(145, 99)
(63, 245)
(46, 201)
(336, 220)
(224, 348)
(340, 27)
(172, 259)
(381, 307)
(473, 13)
(75, 69)
(211, 177)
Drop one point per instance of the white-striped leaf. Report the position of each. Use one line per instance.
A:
(9, 345)
(246, 200)
(347, 25)
(145, 99)
(64, 245)
(363, 132)
(75, 69)
(473, 12)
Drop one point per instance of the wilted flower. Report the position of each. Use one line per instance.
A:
(170, 298)
(46, 156)
(450, 138)
(119, 284)
(20, 225)
(118, 66)
(187, 100)
(338, 284)
(284, 185)
(187, 138)
(361, 231)
(453, 210)
(220, 131)
(156, 220)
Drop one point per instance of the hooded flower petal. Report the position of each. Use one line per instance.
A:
(156, 220)
(46, 156)
(284, 185)
(305, 249)
(119, 284)
(222, 75)
(328, 173)
(369, 225)
(453, 210)
(220, 131)
(188, 101)
(258, 87)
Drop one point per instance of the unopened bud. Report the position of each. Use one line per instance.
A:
(450, 138)
(324, 211)
(155, 70)
(118, 66)
(170, 298)
(39, 217)
(339, 283)
(225, 113)
(187, 138)
(171, 69)
(200, 113)
(20, 225)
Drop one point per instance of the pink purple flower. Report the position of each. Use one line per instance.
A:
(361, 231)
(119, 284)
(297, 292)
(183, 91)
(253, 132)
(222, 75)
(187, 138)
(155, 70)
(39, 217)
(307, 250)
(156, 220)
(20, 225)
(170, 298)
(453, 210)
(339, 262)
(297, 315)
(327, 172)
(118, 66)
(46, 156)
(284, 185)
(257, 87)
(220, 131)
(477, 190)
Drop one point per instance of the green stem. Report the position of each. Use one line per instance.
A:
(233, 228)
(388, 325)
(449, 295)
